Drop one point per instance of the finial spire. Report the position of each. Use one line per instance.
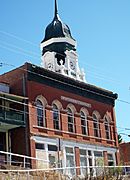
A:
(56, 11)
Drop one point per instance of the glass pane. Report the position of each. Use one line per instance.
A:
(84, 130)
(110, 157)
(52, 147)
(98, 154)
(70, 161)
(39, 146)
(70, 127)
(89, 153)
(39, 113)
(70, 118)
(69, 150)
(82, 152)
(52, 160)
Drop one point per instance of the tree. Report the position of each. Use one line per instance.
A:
(119, 138)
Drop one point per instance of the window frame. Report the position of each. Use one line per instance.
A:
(111, 161)
(56, 121)
(96, 126)
(84, 126)
(71, 126)
(41, 119)
(107, 129)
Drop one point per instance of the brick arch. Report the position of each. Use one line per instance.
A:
(58, 104)
(84, 110)
(107, 116)
(42, 99)
(72, 107)
(97, 114)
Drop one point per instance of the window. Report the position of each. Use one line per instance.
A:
(107, 129)
(83, 162)
(96, 126)
(56, 117)
(99, 161)
(40, 113)
(83, 123)
(70, 160)
(53, 155)
(90, 162)
(39, 146)
(98, 158)
(110, 159)
(52, 147)
(70, 121)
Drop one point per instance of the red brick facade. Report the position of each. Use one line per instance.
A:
(124, 149)
(38, 85)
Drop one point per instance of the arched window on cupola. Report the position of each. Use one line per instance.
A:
(84, 126)
(70, 120)
(56, 117)
(96, 125)
(40, 113)
(107, 128)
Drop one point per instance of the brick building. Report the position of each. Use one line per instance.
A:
(69, 122)
(124, 149)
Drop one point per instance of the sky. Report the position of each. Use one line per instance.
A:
(101, 29)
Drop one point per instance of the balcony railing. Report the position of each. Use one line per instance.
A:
(12, 117)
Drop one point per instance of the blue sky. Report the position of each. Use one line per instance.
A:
(102, 31)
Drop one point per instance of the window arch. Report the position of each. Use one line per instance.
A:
(107, 128)
(84, 124)
(56, 116)
(70, 120)
(40, 113)
(96, 125)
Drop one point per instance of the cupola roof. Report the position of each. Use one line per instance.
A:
(57, 29)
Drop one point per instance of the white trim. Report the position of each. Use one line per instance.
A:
(74, 144)
(89, 146)
(58, 40)
(45, 140)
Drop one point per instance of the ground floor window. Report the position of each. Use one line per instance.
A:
(98, 161)
(41, 154)
(110, 159)
(66, 157)
(70, 160)
(53, 155)
(83, 162)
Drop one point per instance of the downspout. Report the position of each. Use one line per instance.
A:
(25, 116)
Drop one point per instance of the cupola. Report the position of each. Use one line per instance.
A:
(59, 49)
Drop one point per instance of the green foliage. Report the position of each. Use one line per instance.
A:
(119, 138)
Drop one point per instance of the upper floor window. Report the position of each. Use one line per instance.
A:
(83, 123)
(107, 129)
(70, 120)
(56, 117)
(40, 113)
(96, 126)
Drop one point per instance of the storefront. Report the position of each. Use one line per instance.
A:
(89, 155)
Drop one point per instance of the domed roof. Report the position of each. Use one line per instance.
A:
(56, 28)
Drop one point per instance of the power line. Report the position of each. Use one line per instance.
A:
(16, 51)
(18, 38)
(123, 101)
(51, 78)
(20, 49)
(32, 105)
(101, 77)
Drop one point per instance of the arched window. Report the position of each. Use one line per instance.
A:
(96, 126)
(83, 123)
(70, 120)
(40, 113)
(56, 117)
(107, 129)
